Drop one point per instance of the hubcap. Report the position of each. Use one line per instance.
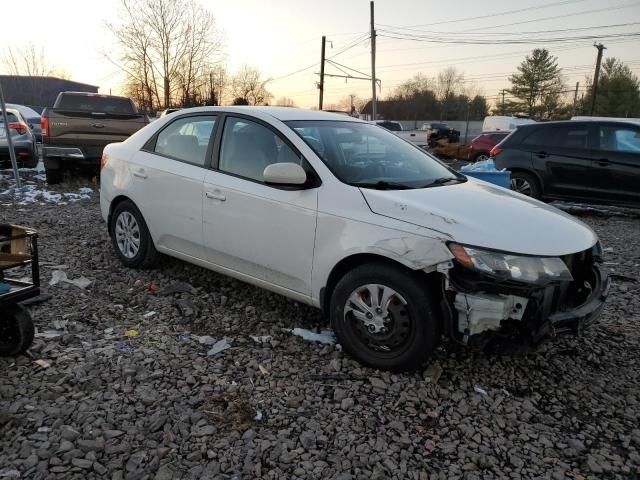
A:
(520, 185)
(482, 158)
(127, 234)
(379, 316)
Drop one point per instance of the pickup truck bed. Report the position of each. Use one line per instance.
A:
(79, 126)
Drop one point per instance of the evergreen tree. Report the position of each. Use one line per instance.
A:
(618, 91)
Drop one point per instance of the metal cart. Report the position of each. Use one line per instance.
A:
(19, 280)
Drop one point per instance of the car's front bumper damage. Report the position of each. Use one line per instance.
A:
(480, 310)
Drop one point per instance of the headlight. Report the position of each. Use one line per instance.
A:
(537, 270)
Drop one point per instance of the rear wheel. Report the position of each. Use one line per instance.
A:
(16, 331)
(130, 237)
(384, 318)
(479, 157)
(526, 184)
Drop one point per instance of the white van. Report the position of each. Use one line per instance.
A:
(499, 122)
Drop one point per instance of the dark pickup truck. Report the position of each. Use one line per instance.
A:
(80, 125)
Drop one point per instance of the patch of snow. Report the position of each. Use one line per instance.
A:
(30, 194)
(325, 337)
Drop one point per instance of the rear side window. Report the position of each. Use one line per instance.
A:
(537, 136)
(187, 139)
(96, 103)
(620, 139)
(10, 116)
(570, 136)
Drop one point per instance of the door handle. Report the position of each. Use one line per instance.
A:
(603, 162)
(542, 154)
(215, 196)
(140, 174)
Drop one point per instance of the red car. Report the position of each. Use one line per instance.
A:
(483, 143)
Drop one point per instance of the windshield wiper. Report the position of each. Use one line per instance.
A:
(443, 181)
(383, 185)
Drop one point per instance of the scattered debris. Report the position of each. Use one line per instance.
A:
(325, 337)
(219, 346)
(184, 338)
(49, 334)
(131, 333)
(205, 339)
(43, 297)
(187, 307)
(177, 287)
(263, 370)
(261, 338)
(42, 363)
(58, 276)
(480, 390)
(258, 416)
(125, 347)
(230, 412)
(433, 373)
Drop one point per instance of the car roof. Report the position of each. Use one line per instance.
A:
(283, 114)
(575, 122)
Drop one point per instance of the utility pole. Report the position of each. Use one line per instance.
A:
(575, 99)
(600, 48)
(321, 86)
(7, 132)
(374, 106)
(351, 104)
(503, 93)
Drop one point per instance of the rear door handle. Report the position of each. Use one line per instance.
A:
(215, 196)
(140, 173)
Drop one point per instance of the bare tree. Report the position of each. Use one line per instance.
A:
(30, 61)
(248, 85)
(167, 50)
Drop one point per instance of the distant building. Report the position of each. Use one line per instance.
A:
(39, 92)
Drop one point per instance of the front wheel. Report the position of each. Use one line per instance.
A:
(16, 331)
(384, 318)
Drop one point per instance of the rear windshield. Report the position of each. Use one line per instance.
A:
(92, 103)
(392, 126)
(10, 116)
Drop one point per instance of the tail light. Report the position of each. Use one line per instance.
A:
(44, 125)
(19, 127)
(103, 160)
(495, 151)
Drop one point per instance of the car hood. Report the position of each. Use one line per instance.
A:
(478, 213)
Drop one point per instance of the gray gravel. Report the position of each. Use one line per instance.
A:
(156, 406)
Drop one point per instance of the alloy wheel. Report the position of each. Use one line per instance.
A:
(520, 185)
(127, 232)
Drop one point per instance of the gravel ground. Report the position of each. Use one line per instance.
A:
(153, 404)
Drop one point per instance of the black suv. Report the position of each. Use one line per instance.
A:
(593, 161)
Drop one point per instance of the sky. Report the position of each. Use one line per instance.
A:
(280, 37)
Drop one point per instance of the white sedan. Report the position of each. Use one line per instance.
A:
(394, 246)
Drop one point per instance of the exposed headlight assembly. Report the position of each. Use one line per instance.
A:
(534, 270)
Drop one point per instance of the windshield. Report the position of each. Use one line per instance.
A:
(369, 156)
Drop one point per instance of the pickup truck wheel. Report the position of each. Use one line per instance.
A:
(384, 318)
(130, 237)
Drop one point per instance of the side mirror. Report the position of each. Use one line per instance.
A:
(285, 174)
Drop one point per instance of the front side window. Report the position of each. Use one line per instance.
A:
(570, 137)
(620, 139)
(248, 148)
(187, 139)
(364, 155)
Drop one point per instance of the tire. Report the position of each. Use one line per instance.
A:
(53, 176)
(480, 156)
(385, 343)
(16, 331)
(128, 227)
(525, 183)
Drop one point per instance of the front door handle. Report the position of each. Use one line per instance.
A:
(215, 196)
(542, 154)
(140, 173)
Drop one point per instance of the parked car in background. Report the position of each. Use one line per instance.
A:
(32, 117)
(414, 136)
(501, 122)
(23, 140)
(481, 145)
(394, 246)
(595, 161)
(78, 127)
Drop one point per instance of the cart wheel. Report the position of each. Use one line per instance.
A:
(16, 331)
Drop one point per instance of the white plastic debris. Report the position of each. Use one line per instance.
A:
(258, 416)
(58, 276)
(483, 166)
(205, 339)
(49, 334)
(325, 337)
(480, 390)
(149, 314)
(261, 338)
(219, 346)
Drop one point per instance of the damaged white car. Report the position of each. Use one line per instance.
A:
(343, 215)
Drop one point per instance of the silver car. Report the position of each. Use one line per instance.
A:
(23, 141)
